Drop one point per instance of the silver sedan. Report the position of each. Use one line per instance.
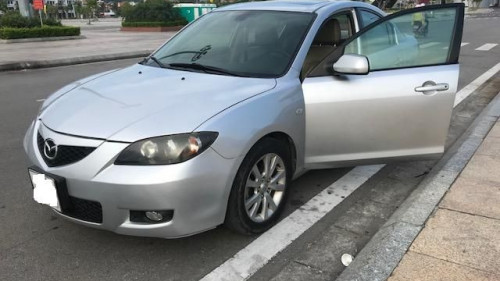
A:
(214, 125)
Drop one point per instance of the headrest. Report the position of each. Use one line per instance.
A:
(329, 34)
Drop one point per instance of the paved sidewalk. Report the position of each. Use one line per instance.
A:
(101, 23)
(461, 241)
(100, 44)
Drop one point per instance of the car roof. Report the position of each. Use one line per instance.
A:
(309, 6)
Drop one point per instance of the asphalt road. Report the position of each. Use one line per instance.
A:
(36, 245)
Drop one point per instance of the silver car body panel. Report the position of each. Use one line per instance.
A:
(280, 110)
(353, 118)
(147, 102)
(288, 6)
(113, 109)
(193, 189)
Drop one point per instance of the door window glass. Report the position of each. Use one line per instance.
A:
(367, 17)
(345, 26)
(409, 40)
(334, 31)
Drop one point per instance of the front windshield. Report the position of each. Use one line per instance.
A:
(241, 43)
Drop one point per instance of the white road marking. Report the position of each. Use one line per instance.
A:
(461, 45)
(40, 100)
(258, 253)
(486, 47)
(261, 250)
(467, 90)
(430, 44)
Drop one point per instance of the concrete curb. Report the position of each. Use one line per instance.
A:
(41, 39)
(70, 61)
(378, 259)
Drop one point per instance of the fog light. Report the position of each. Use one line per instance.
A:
(154, 216)
(151, 216)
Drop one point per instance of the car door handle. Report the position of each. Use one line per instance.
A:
(431, 87)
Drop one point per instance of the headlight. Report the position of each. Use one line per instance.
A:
(166, 150)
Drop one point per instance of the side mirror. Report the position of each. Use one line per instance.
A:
(352, 64)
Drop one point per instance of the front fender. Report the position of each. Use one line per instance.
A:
(242, 125)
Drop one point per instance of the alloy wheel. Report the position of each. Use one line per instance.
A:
(265, 187)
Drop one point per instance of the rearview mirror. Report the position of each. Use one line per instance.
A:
(352, 64)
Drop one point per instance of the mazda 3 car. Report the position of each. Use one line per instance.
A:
(212, 127)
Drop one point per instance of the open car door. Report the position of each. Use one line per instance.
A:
(388, 92)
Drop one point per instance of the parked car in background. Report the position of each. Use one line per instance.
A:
(109, 14)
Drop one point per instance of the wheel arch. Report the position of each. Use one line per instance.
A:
(233, 218)
(285, 138)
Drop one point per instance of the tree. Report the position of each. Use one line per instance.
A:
(92, 4)
(92, 7)
(69, 8)
(78, 9)
(152, 11)
(125, 9)
(115, 9)
(60, 9)
(101, 8)
(3, 5)
(52, 11)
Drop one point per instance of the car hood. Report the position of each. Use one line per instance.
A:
(140, 102)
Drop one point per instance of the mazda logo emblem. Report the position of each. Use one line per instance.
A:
(50, 149)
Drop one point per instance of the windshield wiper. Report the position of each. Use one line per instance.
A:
(197, 54)
(204, 68)
(158, 62)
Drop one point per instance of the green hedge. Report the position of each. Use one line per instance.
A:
(14, 19)
(36, 32)
(151, 11)
(154, 24)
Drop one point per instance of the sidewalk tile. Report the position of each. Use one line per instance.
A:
(484, 167)
(495, 131)
(475, 197)
(461, 238)
(97, 42)
(418, 267)
(490, 146)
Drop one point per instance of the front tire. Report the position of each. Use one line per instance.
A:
(259, 190)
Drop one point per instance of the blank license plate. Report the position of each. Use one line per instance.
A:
(44, 189)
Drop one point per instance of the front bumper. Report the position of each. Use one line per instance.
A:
(196, 190)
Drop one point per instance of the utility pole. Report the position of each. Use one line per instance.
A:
(25, 8)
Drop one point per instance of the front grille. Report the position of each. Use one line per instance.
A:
(65, 154)
(84, 210)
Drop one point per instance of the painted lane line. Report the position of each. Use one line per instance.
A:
(471, 87)
(261, 250)
(258, 253)
(461, 45)
(428, 45)
(486, 47)
(40, 100)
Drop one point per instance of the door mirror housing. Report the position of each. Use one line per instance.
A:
(352, 64)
